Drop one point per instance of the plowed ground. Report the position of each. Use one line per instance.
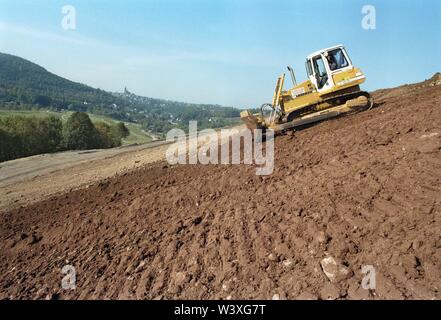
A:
(364, 189)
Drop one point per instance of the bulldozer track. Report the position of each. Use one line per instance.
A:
(335, 100)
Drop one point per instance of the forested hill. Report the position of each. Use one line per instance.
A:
(25, 85)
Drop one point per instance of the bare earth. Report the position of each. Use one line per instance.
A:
(27, 180)
(363, 189)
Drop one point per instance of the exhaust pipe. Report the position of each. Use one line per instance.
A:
(293, 77)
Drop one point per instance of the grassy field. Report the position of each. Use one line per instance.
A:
(137, 135)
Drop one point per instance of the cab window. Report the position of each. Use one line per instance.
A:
(337, 59)
(320, 71)
(308, 67)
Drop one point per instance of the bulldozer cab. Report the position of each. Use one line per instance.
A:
(323, 64)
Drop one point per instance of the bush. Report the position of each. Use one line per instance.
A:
(80, 134)
(27, 136)
(42, 101)
(50, 130)
(7, 146)
(109, 135)
(123, 131)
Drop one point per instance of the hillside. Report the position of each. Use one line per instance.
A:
(25, 85)
(162, 115)
(363, 189)
(28, 84)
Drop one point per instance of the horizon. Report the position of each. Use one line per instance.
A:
(220, 52)
(117, 91)
(188, 102)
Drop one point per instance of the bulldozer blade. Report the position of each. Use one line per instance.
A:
(251, 121)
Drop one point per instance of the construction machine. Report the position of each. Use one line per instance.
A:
(332, 89)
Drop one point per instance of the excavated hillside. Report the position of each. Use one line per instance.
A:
(361, 190)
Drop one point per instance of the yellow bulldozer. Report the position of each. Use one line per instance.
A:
(332, 89)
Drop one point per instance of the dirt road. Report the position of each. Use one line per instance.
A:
(27, 180)
(362, 190)
(28, 168)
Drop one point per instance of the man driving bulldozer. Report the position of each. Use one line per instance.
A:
(332, 63)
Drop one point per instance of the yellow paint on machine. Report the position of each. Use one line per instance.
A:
(335, 83)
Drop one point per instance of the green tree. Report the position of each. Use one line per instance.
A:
(43, 101)
(124, 132)
(80, 133)
(23, 129)
(51, 130)
(7, 146)
(110, 135)
(27, 136)
(116, 136)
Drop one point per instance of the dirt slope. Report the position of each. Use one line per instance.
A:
(32, 179)
(364, 189)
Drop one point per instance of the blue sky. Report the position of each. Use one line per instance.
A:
(225, 52)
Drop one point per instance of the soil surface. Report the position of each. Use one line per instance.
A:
(361, 190)
(28, 180)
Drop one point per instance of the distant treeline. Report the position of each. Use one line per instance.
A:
(26, 86)
(26, 136)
